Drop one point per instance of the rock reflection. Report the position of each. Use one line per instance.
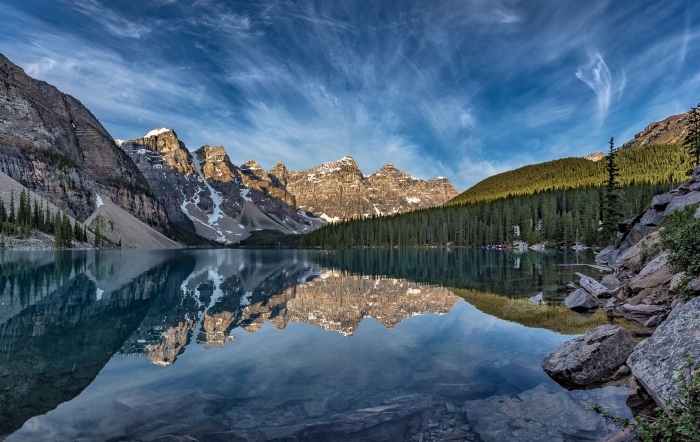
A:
(219, 297)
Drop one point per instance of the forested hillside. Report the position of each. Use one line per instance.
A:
(554, 215)
(650, 164)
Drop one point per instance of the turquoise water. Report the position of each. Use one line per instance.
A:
(132, 345)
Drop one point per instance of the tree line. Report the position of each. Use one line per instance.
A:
(25, 218)
(557, 217)
(650, 164)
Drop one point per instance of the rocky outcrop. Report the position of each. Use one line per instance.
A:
(670, 130)
(52, 144)
(655, 359)
(591, 359)
(338, 190)
(595, 156)
(646, 293)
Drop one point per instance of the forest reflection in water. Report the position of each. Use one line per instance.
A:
(66, 317)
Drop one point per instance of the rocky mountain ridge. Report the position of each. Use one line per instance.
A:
(205, 193)
(669, 130)
(339, 190)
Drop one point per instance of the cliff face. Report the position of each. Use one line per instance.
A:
(338, 190)
(207, 194)
(52, 144)
(170, 172)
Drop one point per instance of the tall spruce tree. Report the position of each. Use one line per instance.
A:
(692, 137)
(611, 202)
(11, 216)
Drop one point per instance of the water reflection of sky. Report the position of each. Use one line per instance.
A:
(259, 376)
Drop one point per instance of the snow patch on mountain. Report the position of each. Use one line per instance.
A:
(157, 131)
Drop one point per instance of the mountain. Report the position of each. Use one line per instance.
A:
(339, 190)
(53, 145)
(652, 156)
(203, 192)
(670, 130)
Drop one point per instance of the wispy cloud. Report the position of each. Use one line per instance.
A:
(108, 18)
(596, 75)
(460, 88)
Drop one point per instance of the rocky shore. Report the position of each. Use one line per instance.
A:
(643, 289)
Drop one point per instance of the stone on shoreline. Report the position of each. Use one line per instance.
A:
(654, 360)
(581, 301)
(590, 360)
(592, 286)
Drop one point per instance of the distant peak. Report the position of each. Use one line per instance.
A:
(595, 156)
(157, 131)
(251, 165)
(278, 165)
(388, 165)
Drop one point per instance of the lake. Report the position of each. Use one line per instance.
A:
(244, 345)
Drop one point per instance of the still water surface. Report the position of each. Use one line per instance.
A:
(254, 345)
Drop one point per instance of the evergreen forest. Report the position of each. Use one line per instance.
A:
(655, 163)
(557, 203)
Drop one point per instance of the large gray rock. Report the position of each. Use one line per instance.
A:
(591, 359)
(654, 360)
(542, 414)
(592, 286)
(652, 218)
(581, 300)
(680, 201)
(659, 202)
(654, 274)
(607, 255)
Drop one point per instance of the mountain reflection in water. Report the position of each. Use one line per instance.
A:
(208, 323)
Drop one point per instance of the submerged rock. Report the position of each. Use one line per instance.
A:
(541, 414)
(591, 359)
(654, 360)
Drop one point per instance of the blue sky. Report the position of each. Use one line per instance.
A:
(462, 89)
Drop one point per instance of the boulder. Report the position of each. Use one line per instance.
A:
(611, 282)
(581, 300)
(680, 201)
(591, 359)
(654, 274)
(654, 360)
(659, 202)
(652, 218)
(641, 312)
(592, 286)
(607, 255)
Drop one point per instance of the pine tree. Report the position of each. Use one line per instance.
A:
(48, 221)
(67, 234)
(57, 232)
(36, 216)
(3, 212)
(97, 234)
(611, 203)
(692, 138)
(11, 217)
(77, 232)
